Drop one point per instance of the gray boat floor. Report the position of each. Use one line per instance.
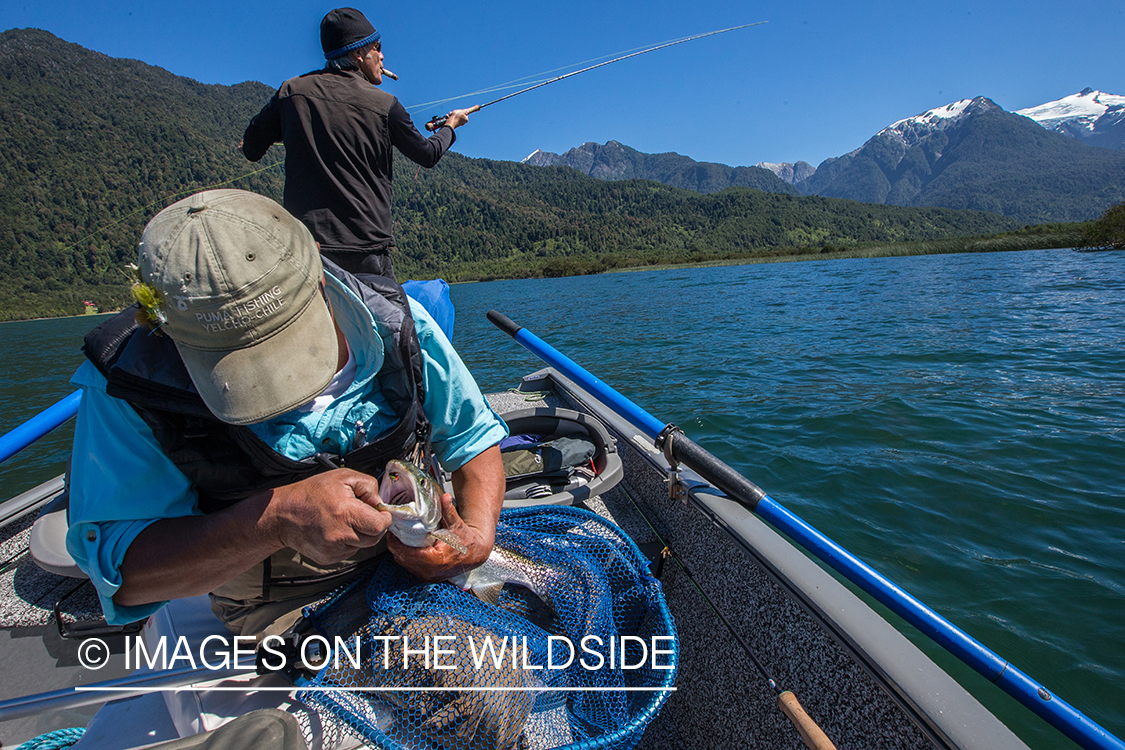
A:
(34, 657)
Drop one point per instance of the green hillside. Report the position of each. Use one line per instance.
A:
(476, 218)
(91, 147)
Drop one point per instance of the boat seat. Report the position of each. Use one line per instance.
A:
(48, 551)
(48, 539)
(549, 423)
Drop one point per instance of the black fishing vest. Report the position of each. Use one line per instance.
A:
(227, 463)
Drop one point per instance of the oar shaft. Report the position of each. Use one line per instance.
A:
(540, 348)
(1057, 712)
(38, 426)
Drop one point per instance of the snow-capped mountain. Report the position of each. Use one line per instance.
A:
(973, 154)
(791, 173)
(912, 130)
(895, 165)
(1093, 117)
(1034, 165)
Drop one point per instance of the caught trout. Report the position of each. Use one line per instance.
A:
(413, 499)
(477, 717)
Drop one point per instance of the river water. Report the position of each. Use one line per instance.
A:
(957, 421)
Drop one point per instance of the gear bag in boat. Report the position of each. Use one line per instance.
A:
(558, 457)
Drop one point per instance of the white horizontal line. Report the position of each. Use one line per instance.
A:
(252, 689)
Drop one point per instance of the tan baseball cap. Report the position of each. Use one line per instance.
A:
(240, 278)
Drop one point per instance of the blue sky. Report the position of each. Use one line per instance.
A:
(814, 82)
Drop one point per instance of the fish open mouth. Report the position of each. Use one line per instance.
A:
(395, 489)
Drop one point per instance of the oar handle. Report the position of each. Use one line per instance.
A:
(503, 322)
(813, 736)
(438, 121)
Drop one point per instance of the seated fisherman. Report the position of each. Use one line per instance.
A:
(204, 447)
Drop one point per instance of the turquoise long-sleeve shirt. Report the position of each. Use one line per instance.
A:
(120, 480)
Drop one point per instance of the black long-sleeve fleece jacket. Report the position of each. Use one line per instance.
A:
(338, 130)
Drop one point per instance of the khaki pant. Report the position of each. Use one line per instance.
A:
(260, 602)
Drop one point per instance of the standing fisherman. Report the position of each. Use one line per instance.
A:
(338, 130)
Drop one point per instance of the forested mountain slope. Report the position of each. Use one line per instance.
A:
(92, 147)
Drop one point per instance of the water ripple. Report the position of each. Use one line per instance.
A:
(958, 421)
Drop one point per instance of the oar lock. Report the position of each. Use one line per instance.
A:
(664, 441)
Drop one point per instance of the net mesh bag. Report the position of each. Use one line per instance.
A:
(578, 651)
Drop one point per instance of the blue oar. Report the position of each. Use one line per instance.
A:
(38, 426)
(1057, 712)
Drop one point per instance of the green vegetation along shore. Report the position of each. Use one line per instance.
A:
(1028, 238)
(1041, 237)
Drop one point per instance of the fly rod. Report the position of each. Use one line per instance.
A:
(438, 120)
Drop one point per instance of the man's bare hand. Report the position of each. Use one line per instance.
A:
(457, 118)
(439, 562)
(328, 517)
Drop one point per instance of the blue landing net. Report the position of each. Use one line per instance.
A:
(580, 652)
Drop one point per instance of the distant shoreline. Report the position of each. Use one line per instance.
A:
(872, 253)
(1012, 242)
(62, 317)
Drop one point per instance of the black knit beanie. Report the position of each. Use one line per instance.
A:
(343, 30)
